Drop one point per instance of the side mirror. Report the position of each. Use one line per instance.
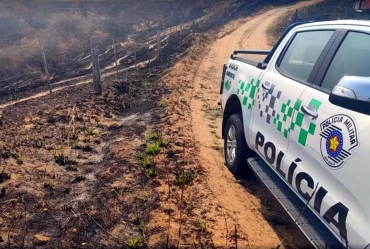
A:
(352, 93)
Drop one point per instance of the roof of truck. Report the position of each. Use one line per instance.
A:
(337, 22)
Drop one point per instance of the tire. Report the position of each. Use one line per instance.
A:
(237, 153)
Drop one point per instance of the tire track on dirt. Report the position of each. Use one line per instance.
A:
(252, 29)
(242, 205)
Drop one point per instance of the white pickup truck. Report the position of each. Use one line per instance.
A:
(300, 119)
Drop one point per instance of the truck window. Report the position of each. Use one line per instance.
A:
(351, 59)
(303, 53)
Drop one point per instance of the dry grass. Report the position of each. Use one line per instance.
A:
(65, 29)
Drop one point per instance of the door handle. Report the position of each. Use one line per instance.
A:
(308, 111)
(265, 86)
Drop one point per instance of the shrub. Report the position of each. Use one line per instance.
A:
(147, 161)
(186, 177)
(135, 243)
(154, 136)
(162, 104)
(150, 173)
(153, 148)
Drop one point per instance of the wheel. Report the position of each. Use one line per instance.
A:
(236, 150)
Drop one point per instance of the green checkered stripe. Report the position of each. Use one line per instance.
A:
(285, 115)
(297, 124)
(247, 91)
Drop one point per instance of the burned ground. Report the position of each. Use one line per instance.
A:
(98, 171)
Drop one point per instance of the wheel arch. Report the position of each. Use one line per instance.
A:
(232, 106)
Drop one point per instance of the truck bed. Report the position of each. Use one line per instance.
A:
(257, 62)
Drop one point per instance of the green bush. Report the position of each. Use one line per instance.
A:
(147, 161)
(135, 243)
(153, 148)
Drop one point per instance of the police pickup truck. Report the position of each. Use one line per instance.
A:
(300, 119)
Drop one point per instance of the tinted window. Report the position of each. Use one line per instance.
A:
(352, 59)
(303, 53)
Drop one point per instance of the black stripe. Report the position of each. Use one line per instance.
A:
(336, 127)
(326, 132)
(346, 153)
(342, 156)
(334, 159)
(330, 128)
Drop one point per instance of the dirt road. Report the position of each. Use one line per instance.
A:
(245, 205)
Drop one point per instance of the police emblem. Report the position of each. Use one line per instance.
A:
(339, 139)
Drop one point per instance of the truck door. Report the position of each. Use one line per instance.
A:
(279, 92)
(329, 147)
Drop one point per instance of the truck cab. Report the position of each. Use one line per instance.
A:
(299, 119)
